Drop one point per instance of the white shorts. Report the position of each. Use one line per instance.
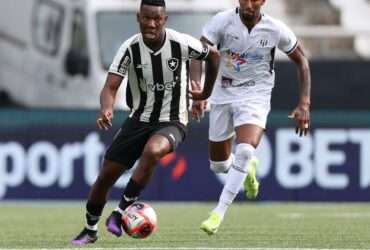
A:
(223, 118)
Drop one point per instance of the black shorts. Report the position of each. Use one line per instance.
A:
(129, 142)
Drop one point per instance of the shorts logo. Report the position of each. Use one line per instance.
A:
(172, 137)
(172, 64)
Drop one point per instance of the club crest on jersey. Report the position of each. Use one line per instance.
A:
(264, 41)
(172, 64)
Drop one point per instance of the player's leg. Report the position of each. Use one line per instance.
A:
(250, 121)
(220, 155)
(108, 175)
(164, 139)
(248, 137)
(121, 155)
(221, 132)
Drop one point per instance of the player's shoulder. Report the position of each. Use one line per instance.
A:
(273, 22)
(130, 41)
(226, 14)
(177, 36)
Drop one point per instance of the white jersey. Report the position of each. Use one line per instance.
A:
(247, 58)
(157, 81)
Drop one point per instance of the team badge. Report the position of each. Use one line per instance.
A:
(264, 41)
(172, 64)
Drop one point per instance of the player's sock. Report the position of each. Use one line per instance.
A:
(93, 213)
(222, 166)
(130, 195)
(235, 178)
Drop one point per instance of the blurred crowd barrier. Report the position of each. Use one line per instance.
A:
(57, 155)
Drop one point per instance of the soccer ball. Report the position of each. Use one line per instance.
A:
(139, 220)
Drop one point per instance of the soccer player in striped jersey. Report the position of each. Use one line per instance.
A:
(157, 93)
(240, 103)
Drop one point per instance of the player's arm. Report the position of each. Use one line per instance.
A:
(107, 99)
(212, 64)
(196, 66)
(117, 71)
(301, 113)
(198, 107)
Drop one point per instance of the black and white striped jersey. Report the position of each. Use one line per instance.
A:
(157, 81)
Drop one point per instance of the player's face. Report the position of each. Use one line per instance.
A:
(152, 20)
(250, 9)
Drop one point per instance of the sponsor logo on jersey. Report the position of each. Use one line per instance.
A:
(141, 66)
(145, 86)
(229, 83)
(236, 60)
(226, 82)
(124, 66)
(235, 37)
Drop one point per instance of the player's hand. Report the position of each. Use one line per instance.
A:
(196, 93)
(104, 120)
(301, 115)
(197, 109)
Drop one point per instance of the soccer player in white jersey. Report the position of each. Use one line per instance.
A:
(155, 63)
(240, 102)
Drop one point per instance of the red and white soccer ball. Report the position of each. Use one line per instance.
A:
(139, 220)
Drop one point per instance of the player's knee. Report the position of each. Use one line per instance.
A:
(153, 153)
(221, 166)
(243, 154)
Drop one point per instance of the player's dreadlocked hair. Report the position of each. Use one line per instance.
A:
(154, 2)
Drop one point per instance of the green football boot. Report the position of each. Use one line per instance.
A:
(251, 184)
(211, 225)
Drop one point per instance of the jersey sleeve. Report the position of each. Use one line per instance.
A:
(121, 61)
(213, 29)
(288, 41)
(195, 49)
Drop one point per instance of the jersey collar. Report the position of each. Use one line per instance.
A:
(158, 51)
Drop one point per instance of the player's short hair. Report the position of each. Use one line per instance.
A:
(154, 2)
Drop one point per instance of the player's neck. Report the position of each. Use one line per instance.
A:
(156, 45)
(250, 23)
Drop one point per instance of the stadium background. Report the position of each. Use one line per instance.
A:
(49, 153)
(55, 154)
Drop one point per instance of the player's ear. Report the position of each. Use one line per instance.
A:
(165, 18)
(138, 17)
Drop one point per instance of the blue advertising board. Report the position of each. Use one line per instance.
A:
(57, 155)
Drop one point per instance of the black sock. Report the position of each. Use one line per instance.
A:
(131, 194)
(93, 213)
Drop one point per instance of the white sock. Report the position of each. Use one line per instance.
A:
(222, 166)
(235, 178)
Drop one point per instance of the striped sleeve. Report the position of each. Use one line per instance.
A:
(195, 48)
(121, 61)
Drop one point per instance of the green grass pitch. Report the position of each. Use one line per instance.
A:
(247, 225)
